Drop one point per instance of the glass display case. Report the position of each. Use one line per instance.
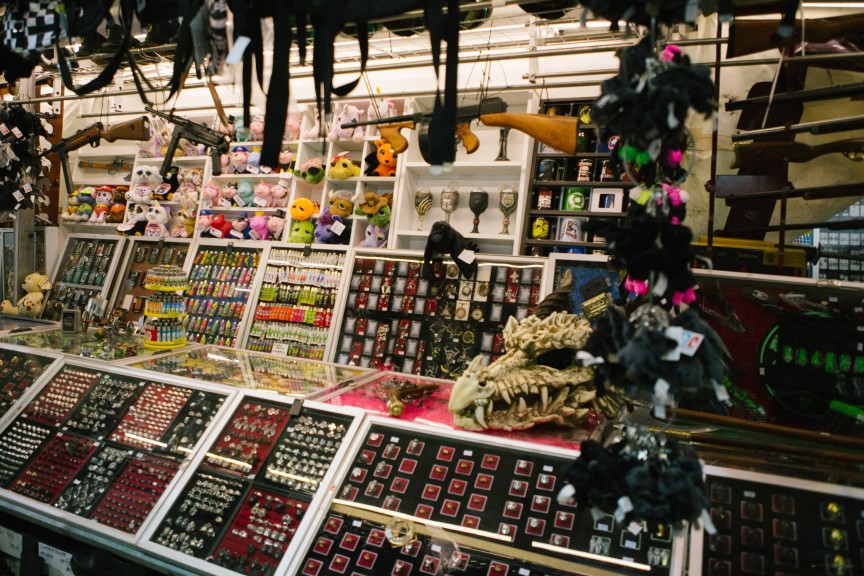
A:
(103, 448)
(255, 491)
(415, 499)
(84, 271)
(257, 371)
(294, 305)
(14, 324)
(19, 371)
(45, 255)
(396, 319)
(93, 343)
(221, 277)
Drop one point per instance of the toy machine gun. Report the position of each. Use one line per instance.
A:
(559, 132)
(137, 129)
(770, 152)
(218, 142)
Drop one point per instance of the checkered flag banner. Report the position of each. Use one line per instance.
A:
(30, 27)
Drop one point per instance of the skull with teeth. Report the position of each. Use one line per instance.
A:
(517, 393)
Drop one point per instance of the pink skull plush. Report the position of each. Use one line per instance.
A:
(263, 195)
(258, 223)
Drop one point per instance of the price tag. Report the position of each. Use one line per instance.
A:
(58, 562)
(237, 50)
(467, 452)
(239, 201)
(207, 203)
(254, 235)
(252, 169)
(337, 228)
(466, 256)
(436, 548)
(394, 439)
(286, 183)
(18, 195)
(215, 232)
(260, 201)
(28, 188)
(266, 169)
(11, 542)
(17, 132)
(225, 203)
(236, 234)
(280, 348)
(3, 129)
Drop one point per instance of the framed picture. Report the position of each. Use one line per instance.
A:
(607, 200)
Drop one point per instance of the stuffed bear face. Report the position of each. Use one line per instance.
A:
(147, 176)
(36, 282)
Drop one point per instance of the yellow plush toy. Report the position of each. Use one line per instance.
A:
(303, 209)
(342, 168)
(29, 305)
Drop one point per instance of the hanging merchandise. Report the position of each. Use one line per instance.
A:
(26, 30)
(550, 9)
(649, 12)
(20, 167)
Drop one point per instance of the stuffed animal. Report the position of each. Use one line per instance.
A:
(279, 194)
(303, 209)
(245, 193)
(139, 194)
(30, 306)
(205, 220)
(184, 224)
(376, 236)
(258, 225)
(286, 160)
(315, 130)
(190, 177)
(210, 196)
(340, 203)
(36, 282)
(86, 203)
(72, 206)
(254, 159)
(220, 227)
(241, 132)
(263, 195)
(302, 231)
(342, 168)
(324, 233)
(164, 192)
(187, 197)
(116, 213)
(239, 157)
(147, 176)
(240, 226)
(136, 222)
(276, 225)
(443, 239)
(103, 198)
(256, 129)
(225, 163)
(383, 161)
(292, 128)
(374, 206)
(158, 217)
(312, 172)
(229, 192)
(348, 115)
(387, 108)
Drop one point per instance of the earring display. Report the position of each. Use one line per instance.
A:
(396, 320)
(102, 446)
(294, 307)
(220, 280)
(18, 372)
(248, 497)
(500, 492)
(769, 524)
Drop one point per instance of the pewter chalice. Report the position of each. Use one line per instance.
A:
(422, 204)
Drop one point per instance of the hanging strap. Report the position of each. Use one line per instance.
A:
(220, 110)
(277, 93)
(192, 12)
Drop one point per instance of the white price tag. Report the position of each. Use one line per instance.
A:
(252, 169)
(3, 129)
(17, 132)
(206, 203)
(266, 169)
(436, 548)
(337, 228)
(548, 469)
(58, 562)
(260, 201)
(11, 542)
(254, 235)
(236, 234)
(394, 439)
(18, 195)
(239, 201)
(467, 452)
(467, 256)
(225, 203)
(280, 348)
(286, 183)
(28, 188)
(215, 232)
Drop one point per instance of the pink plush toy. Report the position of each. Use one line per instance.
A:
(258, 223)
(263, 195)
(279, 194)
(292, 128)
(205, 220)
(276, 224)
(225, 161)
(239, 157)
(210, 195)
(349, 114)
(256, 129)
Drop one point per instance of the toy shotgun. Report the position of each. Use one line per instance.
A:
(218, 142)
(559, 132)
(751, 36)
(769, 152)
(137, 129)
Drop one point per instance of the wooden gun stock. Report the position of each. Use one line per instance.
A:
(469, 139)
(137, 129)
(559, 132)
(751, 36)
(81, 138)
(766, 152)
(391, 133)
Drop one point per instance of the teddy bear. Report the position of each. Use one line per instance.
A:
(30, 305)
(314, 131)
(276, 224)
(312, 172)
(258, 225)
(302, 231)
(157, 217)
(303, 209)
(103, 199)
(340, 203)
(348, 115)
(279, 193)
(136, 222)
(383, 161)
(342, 168)
(72, 205)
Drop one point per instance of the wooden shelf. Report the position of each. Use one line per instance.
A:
(605, 184)
(245, 175)
(553, 155)
(574, 214)
(594, 245)
(502, 238)
(492, 168)
(261, 143)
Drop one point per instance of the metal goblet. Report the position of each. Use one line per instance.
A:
(478, 201)
(507, 198)
(422, 204)
(449, 200)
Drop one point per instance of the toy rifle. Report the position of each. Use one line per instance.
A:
(751, 36)
(770, 152)
(137, 129)
(559, 132)
(218, 142)
(110, 167)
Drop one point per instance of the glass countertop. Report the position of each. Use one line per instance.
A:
(257, 371)
(87, 344)
(13, 324)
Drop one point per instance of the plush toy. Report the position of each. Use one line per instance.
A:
(348, 115)
(210, 196)
(256, 129)
(239, 157)
(383, 161)
(258, 225)
(158, 217)
(302, 231)
(117, 212)
(276, 224)
(184, 224)
(164, 192)
(187, 197)
(136, 222)
(147, 176)
(340, 203)
(386, 106)
(303, 209)
(190, 177)
(342, 168)
(279, 194)
(312, 172)
(240, 226)
(72, 206)
(229, 192)
(103, 198)
(225, 162)
(29, 305)
(312, 133)
(376, 236)
(292, 128)
(444, 239)
(374, 206)
(86, 203)
(286, 160)
(241, 132)
(324, 233)
(36, 282)
(254, 159)
(205, 220)
(245, 193)
(263, 195)
(220, 227)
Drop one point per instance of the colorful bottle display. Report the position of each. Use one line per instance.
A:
(166, 309)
